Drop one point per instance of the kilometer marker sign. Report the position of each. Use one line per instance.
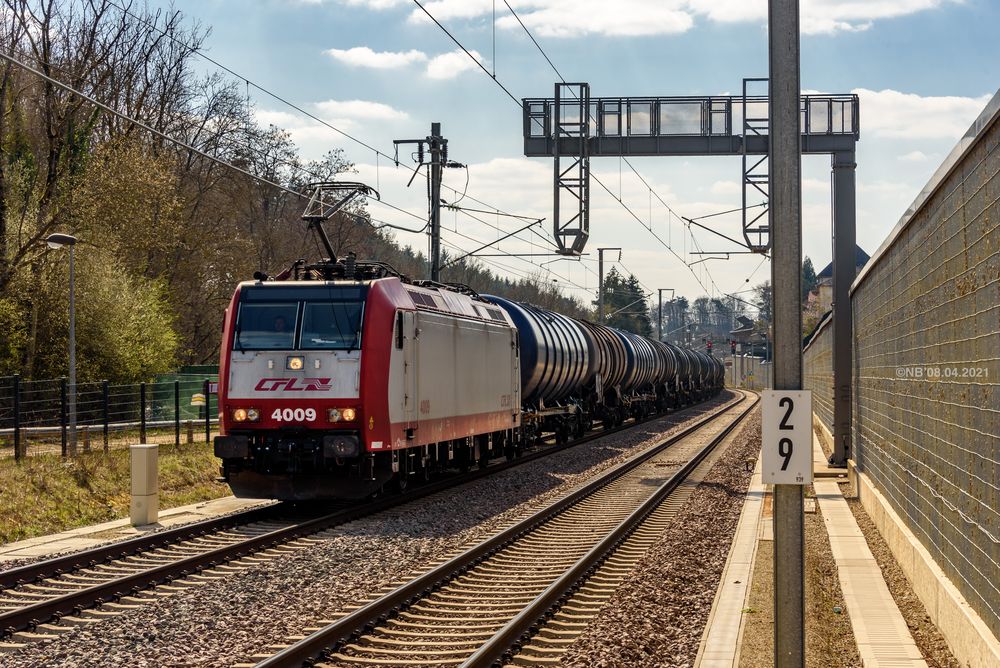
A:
(786, 438)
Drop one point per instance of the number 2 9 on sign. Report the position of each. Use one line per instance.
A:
(786, 438)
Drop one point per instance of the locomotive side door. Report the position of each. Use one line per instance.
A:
(410, 368)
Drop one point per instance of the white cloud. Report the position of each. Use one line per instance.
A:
(344, 115)
(890, 113)
(444, 10)
(575, 18)
(913, 156)
(725, 188)
(885, 188)
(450, 65)
(359, 109)
(372, 4)
(817, 16)
(362, 56)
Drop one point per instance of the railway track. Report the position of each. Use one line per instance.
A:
(521, 597)
(40, 600)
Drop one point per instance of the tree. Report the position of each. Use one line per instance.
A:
(625, 304)
(809, 280)
(47, 133)
(763, 301)
(166, 233)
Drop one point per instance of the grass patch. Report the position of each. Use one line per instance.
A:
(46, 494)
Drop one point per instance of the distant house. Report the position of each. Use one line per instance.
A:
(820, 300)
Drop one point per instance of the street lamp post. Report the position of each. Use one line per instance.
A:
(600, 280)
(58, 241)
(659, 320)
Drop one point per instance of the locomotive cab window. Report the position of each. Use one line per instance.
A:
(265, 326)
(331, 326)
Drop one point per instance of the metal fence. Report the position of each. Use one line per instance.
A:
(36, 416)
(926, 390)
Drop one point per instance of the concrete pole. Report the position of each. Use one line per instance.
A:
(600, 282)
(785, 203)
(436, 144)
(72, 351)
(659, 321)
(844, 263)
(659, 318)
(600, 285)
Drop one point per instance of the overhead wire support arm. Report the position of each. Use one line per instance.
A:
(749, 249)
(706, 259)
(485, 246)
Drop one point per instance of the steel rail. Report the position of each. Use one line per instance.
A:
(499, 647)
(351, 626)
(40, 570)
(30, 616)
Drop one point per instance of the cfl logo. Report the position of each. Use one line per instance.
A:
(292, 385)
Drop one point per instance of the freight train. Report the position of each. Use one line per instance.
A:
(340, 379)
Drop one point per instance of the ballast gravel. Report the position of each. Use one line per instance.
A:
(229, 620)
(657, 617)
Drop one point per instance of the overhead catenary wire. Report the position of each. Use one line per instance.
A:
(249, 82)
(467, 52)
(593, 176)
(144, 126)
(188, 147)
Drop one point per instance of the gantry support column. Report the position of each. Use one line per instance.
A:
(844, 268)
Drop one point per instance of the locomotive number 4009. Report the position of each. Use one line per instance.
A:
(294, 414)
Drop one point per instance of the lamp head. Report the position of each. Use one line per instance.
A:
(58, 240)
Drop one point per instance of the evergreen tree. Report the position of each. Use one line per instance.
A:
(809, 280)
(625, 304)
(763, 302)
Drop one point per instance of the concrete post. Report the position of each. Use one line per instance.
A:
(785, 164)
(145, 484)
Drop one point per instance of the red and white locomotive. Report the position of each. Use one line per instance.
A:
(331, 388)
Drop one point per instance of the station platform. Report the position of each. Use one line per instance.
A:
(881, 633)
(116, 530)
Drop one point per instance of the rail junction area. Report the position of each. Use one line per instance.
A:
(494, 483)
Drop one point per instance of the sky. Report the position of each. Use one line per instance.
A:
(380, 70)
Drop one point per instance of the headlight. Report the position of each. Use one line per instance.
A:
(246, 415)
(333, 415)
(295, 363)
(349, 414)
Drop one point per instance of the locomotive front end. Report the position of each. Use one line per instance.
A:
(289, 394)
